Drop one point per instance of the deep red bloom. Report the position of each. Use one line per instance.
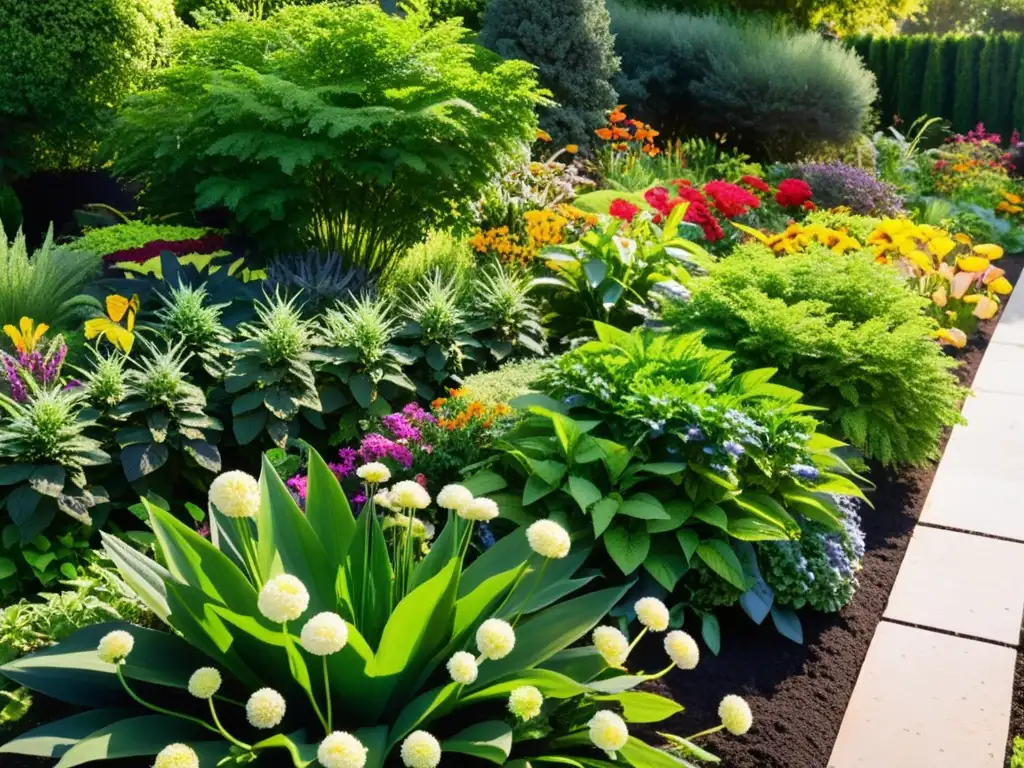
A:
(730, 200)
(809, 206)
(755, 183)
(623, 209)
(691, 195)
(680, 183)
(793, 193)
(657, 198)
(699, 214)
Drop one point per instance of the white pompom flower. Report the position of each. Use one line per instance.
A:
(525, 702)
(421, 750)
(382, 499)
(736, 715)
(480, 510)
(177, 756)
(682, 649)
(495, 639)
(652, 613)
(454, 497)
(341, 750)
(612, 645)
(608, 731)
(324, 634)
(265, 709)
(548, 539)
(115, 646)
(408, 494)
(374, 472)
(463, 668)
(283, 598)
(235, 494)
(204, 683)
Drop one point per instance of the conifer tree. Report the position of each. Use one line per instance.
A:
(965, 101)
(934, 87)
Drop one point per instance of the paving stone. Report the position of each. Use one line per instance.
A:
(961, 582)
(927, 700)
(1011, 323)
(977, 486)
(1001, 370)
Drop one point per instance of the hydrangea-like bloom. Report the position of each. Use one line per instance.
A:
(736, 715)
(235, 494)
(652, 613)
(341, 750)
(682, 649)
(608, 731)
(525, 702)
(495, 639)
(454, 497)
(548, 539)
(324, 634)
(204, 683)
(421, 750)
(481, 510)
(283, 598)
(612, 645)
(374, 472)
(177, 756)
(115, 646)
(463, 668)
(265, 709)
(408, 494)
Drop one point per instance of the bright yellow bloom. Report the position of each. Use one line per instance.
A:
(26, 337)
(988, 251)
(972, 263)
(952, 336)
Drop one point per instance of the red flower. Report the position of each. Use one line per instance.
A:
(680, 183)
(691, 195)
(793, 193)
(755, 183)
(730, 200)
(657, 198)
(699, 214)
(809, 206)
(623, 209)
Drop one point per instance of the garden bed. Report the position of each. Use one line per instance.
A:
(799, 693)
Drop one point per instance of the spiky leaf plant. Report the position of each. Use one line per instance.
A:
(506, 317)
(104, 379)
(318, 280)
(188, 316)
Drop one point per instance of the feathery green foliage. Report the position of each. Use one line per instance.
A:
(131, 234)
(343, 127)
(573, 50)
(845, 330)
(46, 285)
(442, 251)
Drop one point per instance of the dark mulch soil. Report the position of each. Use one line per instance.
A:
(1017, 704)
(799, 693)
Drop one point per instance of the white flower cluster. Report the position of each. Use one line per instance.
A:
(548, 539)
(283, 598)
(115, 646)
(235, 494)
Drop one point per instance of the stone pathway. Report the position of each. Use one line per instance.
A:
(937, 682)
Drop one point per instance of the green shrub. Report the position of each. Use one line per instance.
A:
(442, 251)
(343, 128)
(771, 91)
(847, 331)
(1017, 758)
(570, 44)
(65, 64)
(965, 104)
(859, 227)
(505, 384)
(470, 11)
(104, 241)
(912, 77)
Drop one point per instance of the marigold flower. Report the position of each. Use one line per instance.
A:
(463, 668)
(604, 133)
(265, 709)
(682, 649)
(115, 646)
(421, 750)
(482, 510)
(736, 715)
(612, 645)
(608, 731)
(283, 598)
(408, 494)
(617, 116)
(652, 613)
(235, 494)
(341, 750)
(324, 634)
(177, 756)
(548, 539)
(495, 639)
(204, 683)
(374, 472)
(525, 702)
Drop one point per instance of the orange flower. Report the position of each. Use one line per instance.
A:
(572, 149)
(621, 133)
(604, 133)
(650, 150)
(435, 404)
(620, 147)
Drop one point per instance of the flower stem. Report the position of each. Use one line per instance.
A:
(369, 509)
(309, 691)
(223, 730)
(248, 551)
(663, 672)
(533, 589)
(327, 691)
(708, 732)
(161, 710)
(637, 639)
(464, 549)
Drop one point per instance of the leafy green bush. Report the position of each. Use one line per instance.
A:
(773, 92)
(505, 384)
(857, 226)
(507, 319)
(441, 251)
(383, 651)
(187, 316)
(65, 63)
(847, 331)
(345, 129)
(570, 44)
(47, 285)
(104, 241)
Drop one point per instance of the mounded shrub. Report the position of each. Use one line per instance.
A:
(570, 44)
(772, 92)
(63, 65)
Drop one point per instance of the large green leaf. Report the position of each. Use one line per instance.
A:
(720, 558)
(642, 755)
(56, 738)
(442, 550)
(764, 506)
(584, 492)
(136, 737)
(145, 576)
(300, 752)
(329, 514)
(641, 707)
(369, 577)
(627, 546)
(490, 740)
(554, 685)
(426, 707)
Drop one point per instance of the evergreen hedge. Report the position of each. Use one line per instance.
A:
(965, 79)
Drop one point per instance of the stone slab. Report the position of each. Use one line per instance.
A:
(1011, 323)
(961, 582)
(1001, 370)
(927, 700)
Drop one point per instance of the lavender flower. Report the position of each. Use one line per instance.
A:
(694, 433)
(52, 367)
(346, 466)
(18, 391)
(374, 447)
(733, 448)
(804, 471)
(299, 485)
(836, 184)
(415, 413)
(397, 425)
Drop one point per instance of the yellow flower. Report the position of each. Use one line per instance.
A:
(341, 750)
(941, 246)
(963, 239)
(972, 263)
(324, 634)
(572, 149)
(177, 756)
(1012, 198)
(235, 494)
(682, 649)
(204, 683)
(374, 472)
(736, 715)
(495, 639)
(543, 135)
(985, 308)
(548, 539)
(26, 337)
(115, 646)
(265, 709)
(283, 598)
(612, 645)
(421, 750)
(1000, 285)
(525, 702)
(118, 308)
(608, 731)
(988, 251)
(952, 336)
(939, 296)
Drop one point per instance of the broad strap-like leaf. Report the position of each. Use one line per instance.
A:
(642, 707)
(490, 740)
(138, 737)
(145, 576)
(56, 738)
(329, 514)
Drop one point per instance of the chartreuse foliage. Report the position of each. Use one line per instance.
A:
(387, 681)
(345, 128)
(655, 446)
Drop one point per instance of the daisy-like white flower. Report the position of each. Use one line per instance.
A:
(548, 539)
(463, 668)
(454, 497)
(374, 472)
(480, 510)
(495, 639)
(421, 750)
(525, 702)
(324, 634)
(235, 494)
(283, 598)
(682, 649)
(204, 683)
(265, 709)
(115, 646)
(341, 750)
(652, 613)
(736, 715)
(612, 645)
(608, 731)
(408, 494)
(177, 756)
